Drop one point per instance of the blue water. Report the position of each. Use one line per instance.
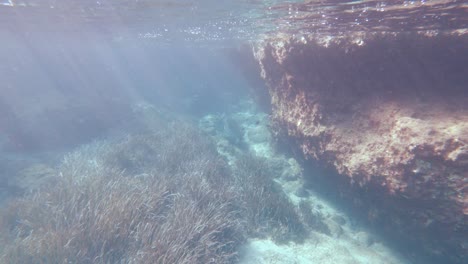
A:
(93, 88)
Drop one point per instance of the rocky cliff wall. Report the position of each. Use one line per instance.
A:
(390, 112)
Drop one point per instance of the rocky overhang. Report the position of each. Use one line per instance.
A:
(390, 112)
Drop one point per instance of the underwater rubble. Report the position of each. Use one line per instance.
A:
(322, 233)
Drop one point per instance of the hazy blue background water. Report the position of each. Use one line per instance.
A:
(71, 70)
(65, 63)
(76, 79)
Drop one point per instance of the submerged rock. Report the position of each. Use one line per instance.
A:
(389, 111)
(339, 219)
(335, 229)
(364, 239)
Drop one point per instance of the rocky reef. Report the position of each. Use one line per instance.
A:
(390, 112)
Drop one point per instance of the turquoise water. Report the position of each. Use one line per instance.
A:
(130, 133)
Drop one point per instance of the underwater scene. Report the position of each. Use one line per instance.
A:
(233, 131)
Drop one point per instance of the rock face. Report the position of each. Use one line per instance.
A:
(389, 111)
